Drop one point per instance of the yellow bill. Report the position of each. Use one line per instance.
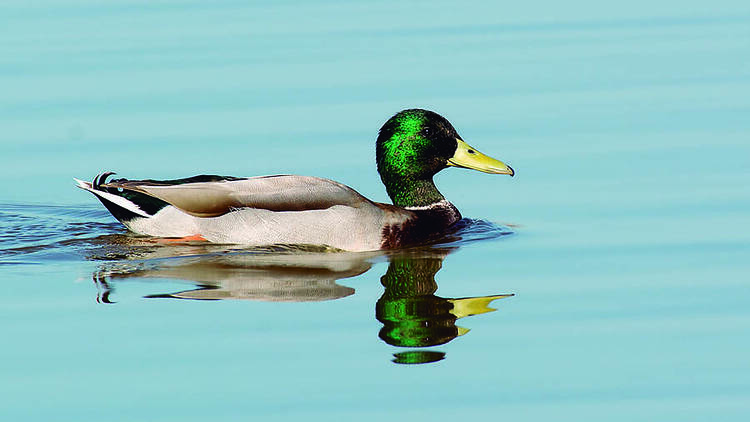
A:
(470, 158)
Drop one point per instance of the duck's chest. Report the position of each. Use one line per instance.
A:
(425, 224)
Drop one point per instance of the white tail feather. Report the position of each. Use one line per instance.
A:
(82, 184)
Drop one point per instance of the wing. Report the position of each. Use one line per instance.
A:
(211, 196)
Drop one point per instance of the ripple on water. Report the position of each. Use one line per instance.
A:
(34, 233)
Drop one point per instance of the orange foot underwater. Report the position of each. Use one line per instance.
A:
(193, 238)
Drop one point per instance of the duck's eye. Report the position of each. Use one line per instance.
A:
(471, 151)
(426, 131)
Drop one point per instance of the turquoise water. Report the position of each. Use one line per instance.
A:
(623, 237)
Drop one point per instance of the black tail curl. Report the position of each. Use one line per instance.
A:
(101, 179)
(146, 203)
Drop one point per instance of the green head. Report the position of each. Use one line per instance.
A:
(413, 146)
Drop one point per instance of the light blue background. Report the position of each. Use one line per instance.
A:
(627, 124)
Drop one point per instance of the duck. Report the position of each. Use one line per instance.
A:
(411, 148)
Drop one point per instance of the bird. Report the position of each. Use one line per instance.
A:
(411, 147)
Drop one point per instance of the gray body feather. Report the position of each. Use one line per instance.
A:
(265, 210)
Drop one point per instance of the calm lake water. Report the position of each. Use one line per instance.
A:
(623, 238)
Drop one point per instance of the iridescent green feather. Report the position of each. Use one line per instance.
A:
(412, 146)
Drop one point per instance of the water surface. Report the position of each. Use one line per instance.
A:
(623, 237)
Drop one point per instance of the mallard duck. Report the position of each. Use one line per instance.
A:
(412, 146)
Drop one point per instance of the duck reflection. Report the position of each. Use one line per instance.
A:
(280, 277)
(413, 316)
